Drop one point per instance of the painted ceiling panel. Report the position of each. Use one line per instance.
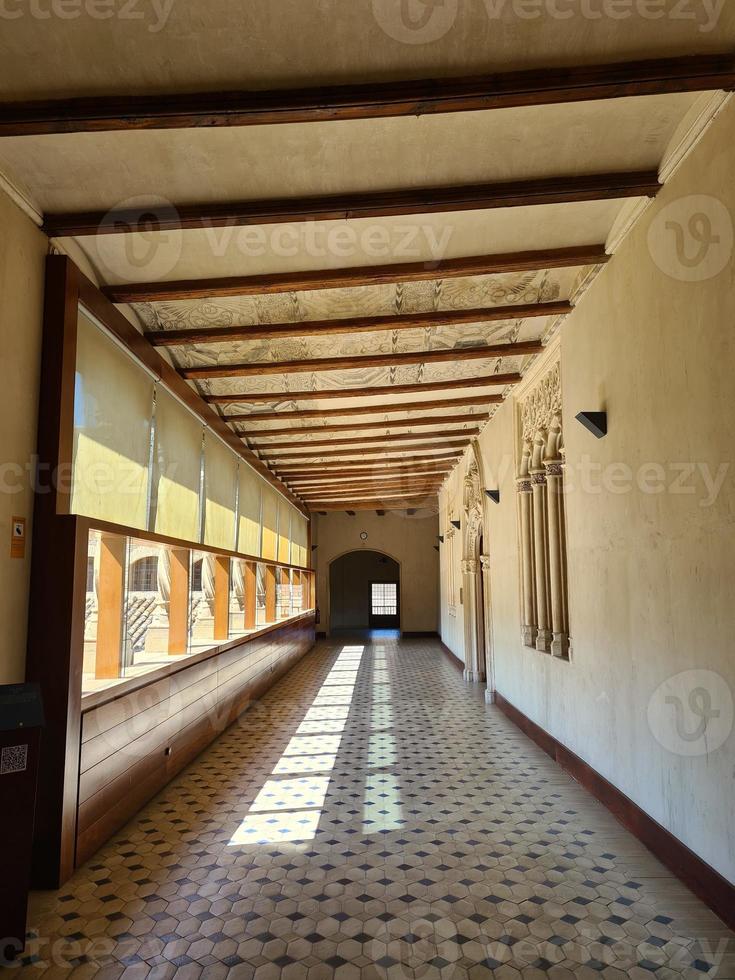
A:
(99, 171)
(160, 45)
(121, 259)
(384, 300)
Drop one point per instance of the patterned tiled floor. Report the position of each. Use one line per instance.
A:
(374, 818)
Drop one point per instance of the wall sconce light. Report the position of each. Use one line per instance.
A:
(350, 513)
(436, 547)
(494, 495)
(314, 547)
(441, 539)
(594, 422)
(456, 524)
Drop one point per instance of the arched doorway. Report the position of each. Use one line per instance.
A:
(364, 591)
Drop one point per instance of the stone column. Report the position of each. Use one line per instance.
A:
(529, 628)
(487, 619)
(156, 638)
(473, 670)
(544, 635)
(557, 588)
(204, 625)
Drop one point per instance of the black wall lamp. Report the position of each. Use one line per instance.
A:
(594, 422)
(441, 539)
(314, 547)
(456, 524)
(494, 495)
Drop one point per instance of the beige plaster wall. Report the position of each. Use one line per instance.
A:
(650, 563)
(408, 540)
(22, 251)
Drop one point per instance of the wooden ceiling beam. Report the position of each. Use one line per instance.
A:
(276, 456)
(299, 456)
(324, 493)
(259, 398)
(294, 477)
(255, 434)
(453, 435)
(294, 466)
(327, 413)
(369, 275)
(370, 504)
(371, 100)
(567, 189)
(401, 480)
(362, 324)
(352, 363)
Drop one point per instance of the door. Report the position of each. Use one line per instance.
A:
(384, 611)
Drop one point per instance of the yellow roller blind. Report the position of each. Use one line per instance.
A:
(113, 404)
(299, 538)
(270, 522)
(220, 481)
(176, 469)
(284, 530)
(250, 493)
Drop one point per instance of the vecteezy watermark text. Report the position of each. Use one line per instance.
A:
(427, 21)
(154, 13)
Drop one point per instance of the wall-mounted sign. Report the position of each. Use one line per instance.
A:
(18, 537)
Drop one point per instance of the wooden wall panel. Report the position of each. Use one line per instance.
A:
(132, 746)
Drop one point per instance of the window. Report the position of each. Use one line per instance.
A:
(144, 575)
(156, 602)
(384, 599)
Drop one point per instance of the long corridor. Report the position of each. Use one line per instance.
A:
(373, 817)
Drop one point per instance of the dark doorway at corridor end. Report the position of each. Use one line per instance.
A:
(364, 592)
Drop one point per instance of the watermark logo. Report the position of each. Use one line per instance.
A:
(692, 238)
(427, 21)
(416, 21)
(150, 254)
(153, 13)
(692, 713)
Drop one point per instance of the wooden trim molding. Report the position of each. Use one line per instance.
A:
(368, 275)
(706, 883)
(273, 397)
(567, 189)
(452, 656)
(373, 100)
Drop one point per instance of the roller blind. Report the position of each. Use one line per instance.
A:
(220, 482)
(249, 529)
(176, 469)
(284, 530)
(113, 404)
(299, 539)
(270, 522)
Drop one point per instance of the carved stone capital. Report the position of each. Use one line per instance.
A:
(524, 486)
(469, 567)
(542, 407)
(554, 468)
(538, 479)
(485, 562)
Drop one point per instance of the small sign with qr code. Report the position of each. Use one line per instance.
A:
(14, 758)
